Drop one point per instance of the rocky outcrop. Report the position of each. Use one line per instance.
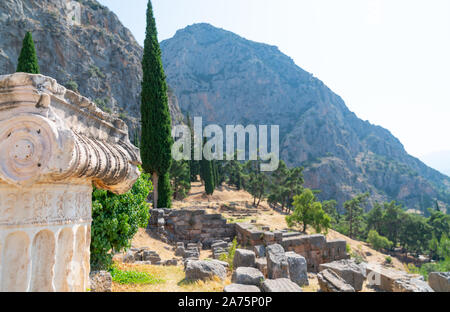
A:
(84, 46)
(229, 80)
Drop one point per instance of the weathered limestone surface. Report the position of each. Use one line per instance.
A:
(391, 280)
(277, 264)
(247, 276)
(348, 270)
(440, 282)
(54, 145)
(204, 270)
(280, 285)
(244, 258)
(240, 288)
(329, 281)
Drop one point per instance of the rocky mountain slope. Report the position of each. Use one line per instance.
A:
(230, 80)
(84, 46)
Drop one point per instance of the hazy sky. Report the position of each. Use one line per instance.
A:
(388, 59)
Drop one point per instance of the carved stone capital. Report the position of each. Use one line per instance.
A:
(51, 134)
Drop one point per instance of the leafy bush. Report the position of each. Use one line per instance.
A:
(427, 268)
(116, 219)
(132, 277)
(230, 256)
(377, 241)
(388, 259)
(72, 85)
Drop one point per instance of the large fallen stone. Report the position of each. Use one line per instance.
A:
(329, 281)
(280, 285)
(100, 281)
(247, 276)
(204, 270)
(412, 285)
(179, 251)
(439, 281)
(384, 278)
(277, 264)
(348, 270)
(239, 288)
(244, 258)
(298, 269)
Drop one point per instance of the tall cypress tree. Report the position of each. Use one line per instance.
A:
(156, 138)
(208, 176)
(28, 62)
(194, 165)
(207, 173)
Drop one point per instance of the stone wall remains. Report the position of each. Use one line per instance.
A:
(315, 248)
(191, 226)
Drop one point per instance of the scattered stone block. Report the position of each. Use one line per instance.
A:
(348, 270)
(298, 269)
(329, 281)
(277, 264)
(238, 288)
(179, 252)
(204, 270)
(280, 285)
(247, 276)
(244, 258)
(411, 285)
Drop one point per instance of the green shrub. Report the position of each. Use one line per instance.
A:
(230, 256)
(377, 241)
(116, 219)
(388, 259)
(72, 85)
(133, 277)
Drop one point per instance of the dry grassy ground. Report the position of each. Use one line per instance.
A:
(236, 206)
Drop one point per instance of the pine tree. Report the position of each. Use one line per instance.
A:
(156, 139)
(28, 62)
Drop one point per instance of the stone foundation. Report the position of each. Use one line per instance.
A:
(191, 226)
(315, 248)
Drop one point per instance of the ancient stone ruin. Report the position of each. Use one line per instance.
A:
(54, 145)
(315, 248)
(190, 225)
